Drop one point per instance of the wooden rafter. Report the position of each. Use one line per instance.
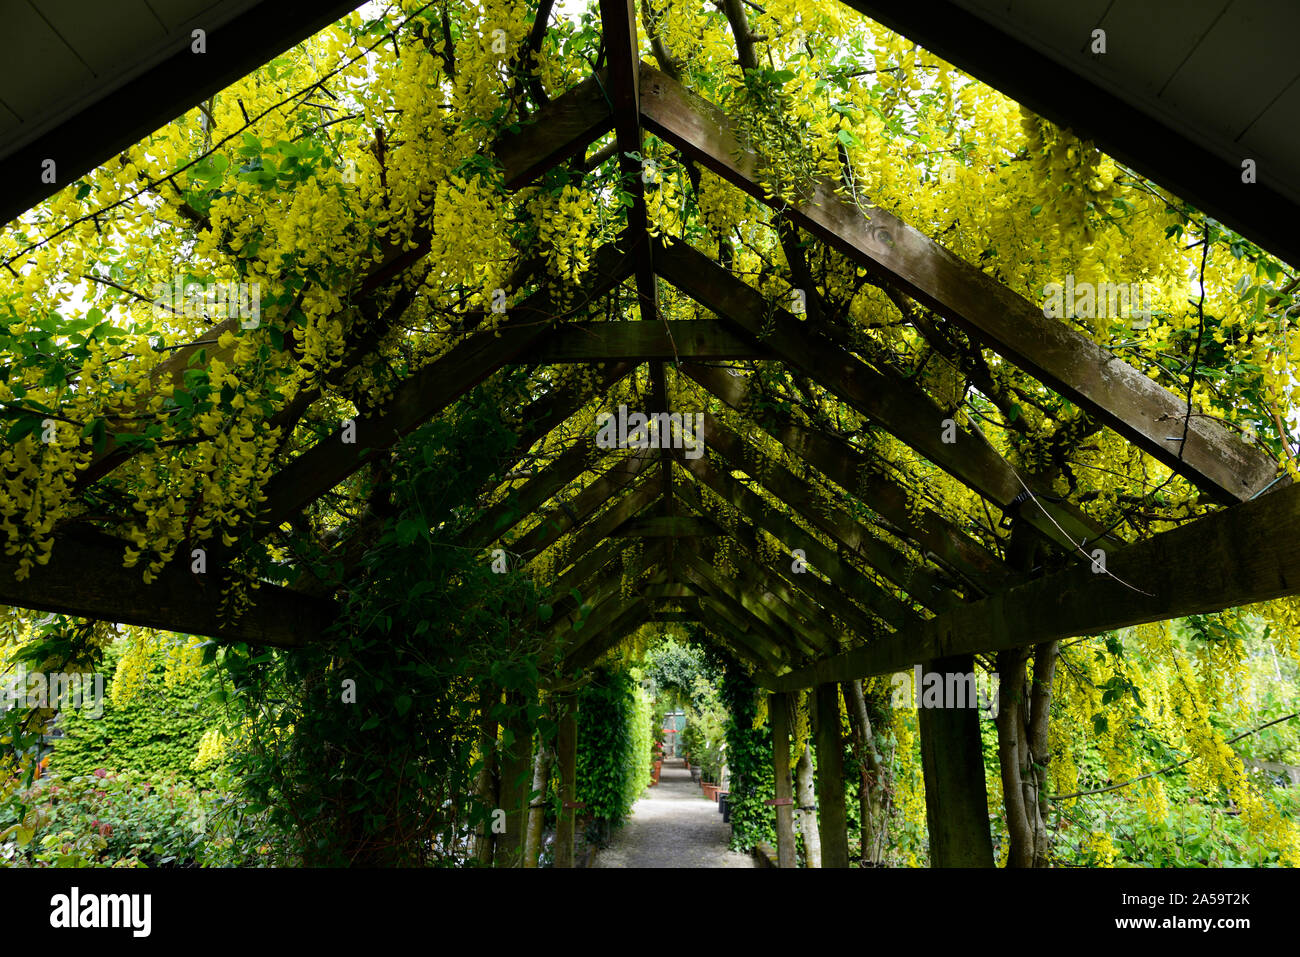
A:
(870, 595)
(618, 19)
(177, 600)
(1062, 358)
(587, 534)
(902, 409)
(1238, 556)
(825, 594)
(856, 473)
(918, 581)
(421, 396)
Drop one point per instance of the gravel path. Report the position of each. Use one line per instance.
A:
(673, 825)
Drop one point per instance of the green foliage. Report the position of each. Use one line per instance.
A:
(674, 666)
(613, 744)
(104, 819)
(706, 722)
(155, 734)
(387, 778)
(749, 757)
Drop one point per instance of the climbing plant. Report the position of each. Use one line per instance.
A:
(749, 761)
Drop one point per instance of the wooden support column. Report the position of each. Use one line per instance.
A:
(778, 710)
(486, 785)
(830, 778)
(952, 758)
(568, 757)
(516, 781)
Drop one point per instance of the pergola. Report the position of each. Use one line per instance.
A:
(961, 600)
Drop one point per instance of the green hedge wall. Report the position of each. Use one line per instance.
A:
(613, 745)
(157, 734)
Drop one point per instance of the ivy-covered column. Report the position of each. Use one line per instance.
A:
(516, 777)
(486, 784)
(749, 759)
(567, 745)
(830, 778)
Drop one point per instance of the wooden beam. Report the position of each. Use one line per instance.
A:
(611, 630)
(673, 616)
(520, 502)
(591, 533)
(671, 591)
(593, 591)
(952, 760)
(796, 635)
(858, 475)
(858, 586)
(558, 405)
(768, 645)
(834, 600)
(618, 22)
(594, 611)
(535, 420)
(85, 577)
(792, 606)
(644, 341)
(745, 644)
(729, 638)
(915, 579)
(516, 762)
(420, 397)
(901, 408)
(1134, 405)
(1238, 556)
(560, 130)
(831, 812)
(1161, 148)
(671, 526)
(778, 712)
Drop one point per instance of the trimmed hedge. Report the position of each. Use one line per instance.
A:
(156, 735)
(614, 739)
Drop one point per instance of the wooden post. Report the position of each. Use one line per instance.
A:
(830, 778)
(778, 710)
(516, 780)
(568, 756)
(952, 758)
(486, 786)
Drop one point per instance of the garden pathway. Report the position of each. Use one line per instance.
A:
(673, 825)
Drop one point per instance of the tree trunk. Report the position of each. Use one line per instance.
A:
(537, 803)
(1045, 656)
(869, 772)
(1011, 748)
(805, 795)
